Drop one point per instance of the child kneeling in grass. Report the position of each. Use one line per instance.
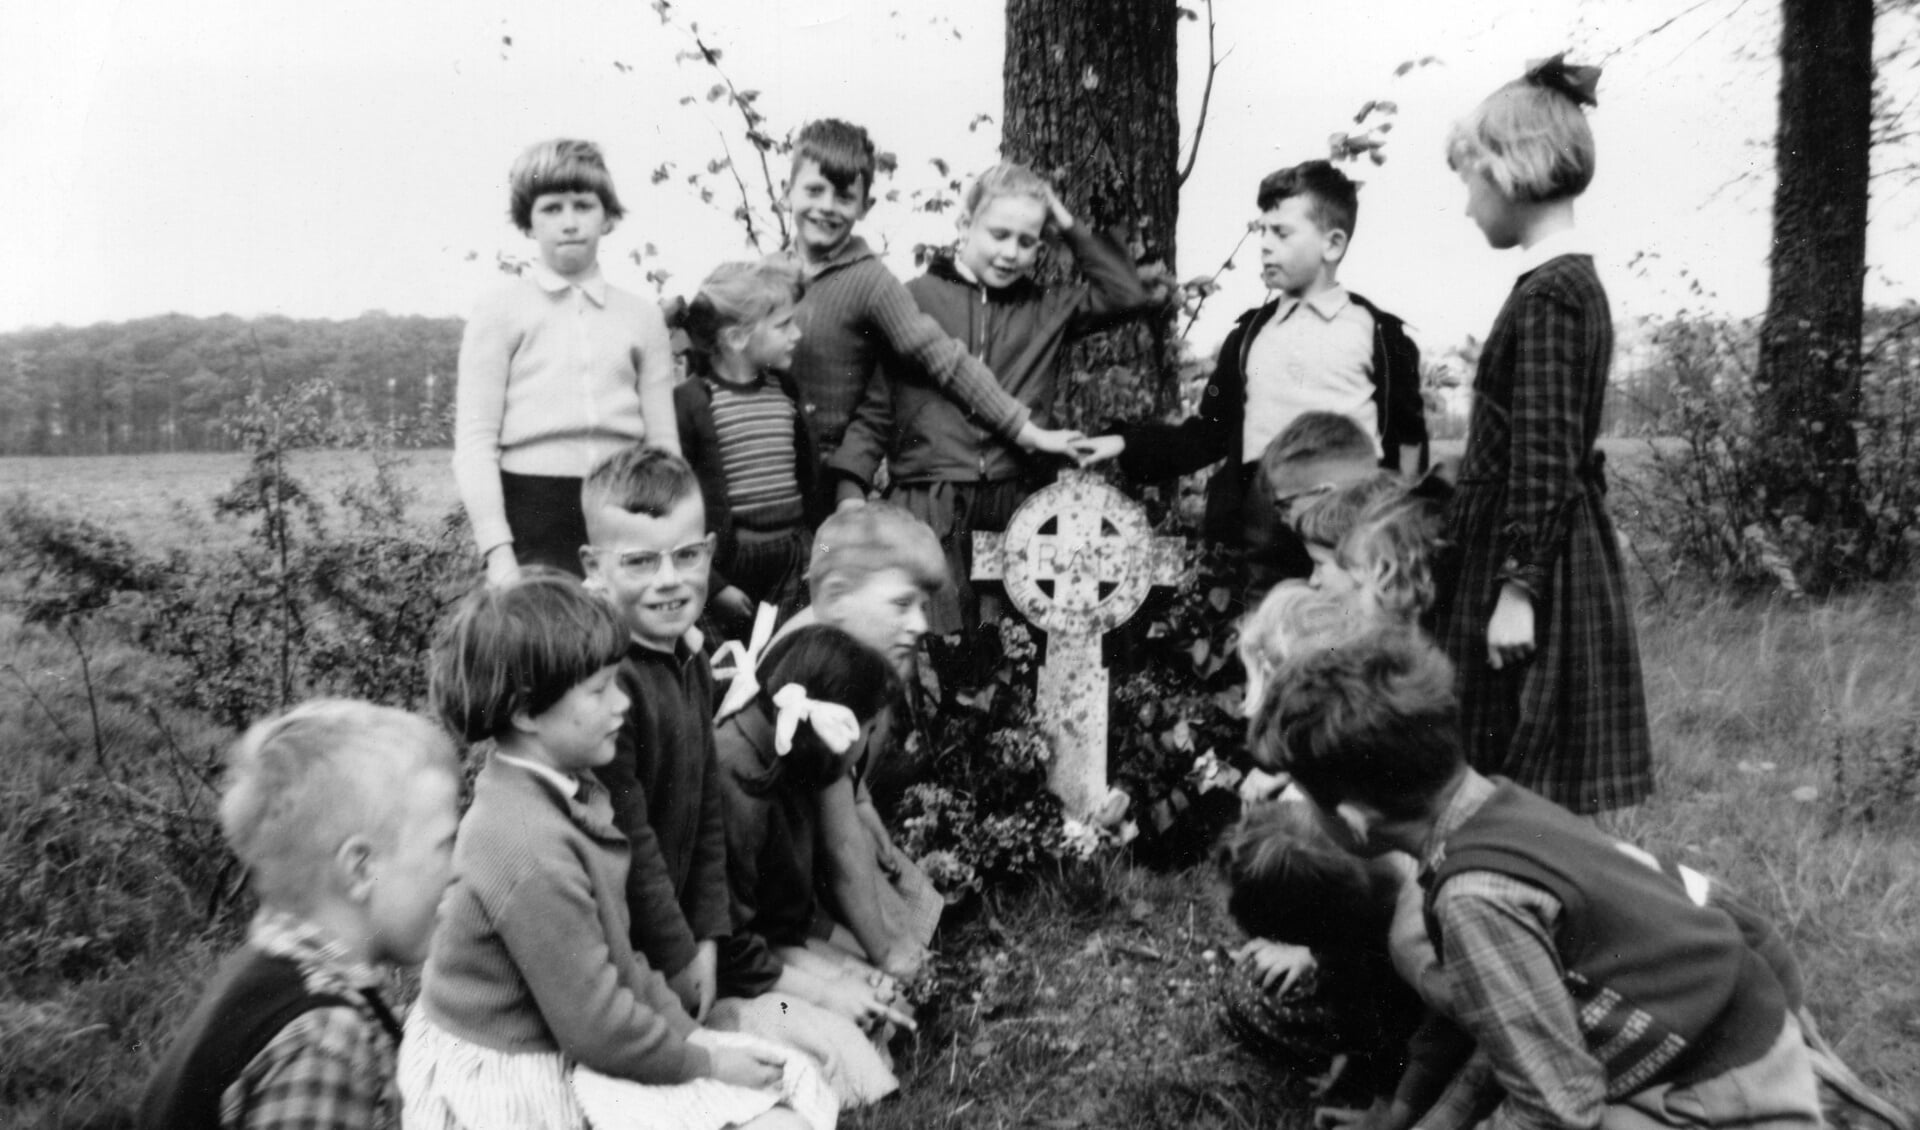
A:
(535, 1011)
(343, 812)
(1598, 986)
(821, 693)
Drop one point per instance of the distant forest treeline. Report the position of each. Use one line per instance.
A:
(164, 384)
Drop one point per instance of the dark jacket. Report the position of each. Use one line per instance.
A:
(1020, 332)
(664, 783)
(693, 411)
(1165, 451)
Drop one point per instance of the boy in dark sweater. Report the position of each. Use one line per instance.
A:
(1599, 985)
(343, 813)
(946, 467)
(1317, 347)
(648, 550)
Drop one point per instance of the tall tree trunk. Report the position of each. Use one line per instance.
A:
(1090, 101)
(1808, 387)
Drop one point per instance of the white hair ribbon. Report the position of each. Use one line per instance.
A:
(834, 724)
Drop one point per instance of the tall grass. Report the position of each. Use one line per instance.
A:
(1083, 1000)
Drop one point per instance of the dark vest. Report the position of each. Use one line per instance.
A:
(1666, 990)
(250, 1000)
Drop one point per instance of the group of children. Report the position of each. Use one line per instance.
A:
(1432, 924)
(672, 907)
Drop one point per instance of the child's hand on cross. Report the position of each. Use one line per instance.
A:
(1098, 449)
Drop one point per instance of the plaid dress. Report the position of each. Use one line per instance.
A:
(1571, 722)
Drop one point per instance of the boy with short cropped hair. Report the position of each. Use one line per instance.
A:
(854, 313)
(343, 813)
(648, 550)
(1601, 986)
(874, 569)
(1317, 347)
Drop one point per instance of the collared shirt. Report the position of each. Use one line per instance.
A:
(566, 785)
(1503, 970)
(330, 1068)
(1566, 241)
(592, 284)
(1312, 361)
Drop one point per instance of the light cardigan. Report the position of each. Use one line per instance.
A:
(554, 377)
(530, 951)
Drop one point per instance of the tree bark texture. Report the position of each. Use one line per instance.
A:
(1090, 102)
(1808, 386)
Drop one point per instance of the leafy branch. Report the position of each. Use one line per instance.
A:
(752, 120)
(1206, 96)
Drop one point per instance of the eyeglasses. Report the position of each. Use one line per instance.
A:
(642, 564)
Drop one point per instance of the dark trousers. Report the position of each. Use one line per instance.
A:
(548, 525)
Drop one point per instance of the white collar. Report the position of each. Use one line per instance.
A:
(592, 284)
(1566, 241)
(565, 784)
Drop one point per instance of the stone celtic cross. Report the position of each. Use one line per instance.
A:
(1077, 559)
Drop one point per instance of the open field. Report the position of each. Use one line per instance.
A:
(1786, 734)
(153, 498)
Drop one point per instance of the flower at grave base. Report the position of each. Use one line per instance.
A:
(1209, 773)
(950, 875)
(1080, 840)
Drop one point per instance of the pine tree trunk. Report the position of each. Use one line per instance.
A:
(1808, 386)
(1090, 102)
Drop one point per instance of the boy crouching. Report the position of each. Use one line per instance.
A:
(1600, 987)
(344, 813)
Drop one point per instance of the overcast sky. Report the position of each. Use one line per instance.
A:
(324, 159)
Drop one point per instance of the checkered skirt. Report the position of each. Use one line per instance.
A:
(1571, 723)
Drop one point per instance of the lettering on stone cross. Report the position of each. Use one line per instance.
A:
(1077, 559)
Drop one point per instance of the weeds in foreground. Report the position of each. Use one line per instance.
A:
(1080, 998)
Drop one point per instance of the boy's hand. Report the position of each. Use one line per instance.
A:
(1053, 441)
(1098, 449)
(1276, 965)
(868, 1006)
(1259, 785)
(503, 568)
(732, 606)
(1057, 212)
(706, 973)
(694, 985)
(1510, 630)
(905, 962)
(756, 1069)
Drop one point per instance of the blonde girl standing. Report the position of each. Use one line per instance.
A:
(1538, 623)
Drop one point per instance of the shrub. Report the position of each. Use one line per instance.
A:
(1702, 508)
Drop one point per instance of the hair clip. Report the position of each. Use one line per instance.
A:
(1580, 83)
(832, 723)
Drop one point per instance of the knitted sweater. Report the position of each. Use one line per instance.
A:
(554, 377)
(530, 949)
(663, 781)
(1667, 989)
(856, 314)
(1020, 332)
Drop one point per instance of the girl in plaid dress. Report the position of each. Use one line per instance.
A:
(1538, 622)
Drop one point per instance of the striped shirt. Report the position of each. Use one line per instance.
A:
(754, 426)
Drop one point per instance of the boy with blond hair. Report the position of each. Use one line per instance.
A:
(343, 814)
(873, 572)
